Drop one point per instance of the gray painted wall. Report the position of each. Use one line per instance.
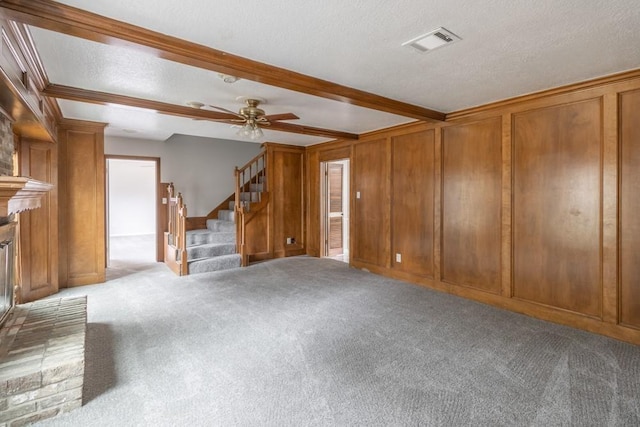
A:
(200, 168)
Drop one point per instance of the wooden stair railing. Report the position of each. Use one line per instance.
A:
(175, 253)
(251, 197)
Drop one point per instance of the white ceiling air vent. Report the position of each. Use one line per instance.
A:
(433, 40)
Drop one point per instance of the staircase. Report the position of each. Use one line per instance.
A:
(213, 248)
(222, 244)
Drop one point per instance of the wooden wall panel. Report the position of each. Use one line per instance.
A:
(471, 204)
(630, 209)
(562, 199)
(286, 183)
(257, 232)
(82, 203)
(371, 216)
(413, 188)
(39, 227)
(556, 206)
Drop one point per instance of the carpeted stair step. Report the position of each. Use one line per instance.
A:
(219, 225)
(223, 262)
(210, 250)
(201, 237)
(226, 215)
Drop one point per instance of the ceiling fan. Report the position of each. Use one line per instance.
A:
(249, 119)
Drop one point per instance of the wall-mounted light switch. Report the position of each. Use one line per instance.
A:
(357, 194)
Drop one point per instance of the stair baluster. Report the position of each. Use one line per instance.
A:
(250, 186)
(175, 242)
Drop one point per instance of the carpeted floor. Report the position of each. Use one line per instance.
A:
(310, 342)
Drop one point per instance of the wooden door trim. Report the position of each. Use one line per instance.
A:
(159, 227)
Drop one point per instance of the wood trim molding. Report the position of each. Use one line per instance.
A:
(19, 193)
(562, 90)
(68, 20)
(103, 98)
(80, 124)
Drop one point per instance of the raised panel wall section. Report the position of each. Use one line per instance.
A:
(82, 203)
(285, 169)
(413, 191)
(471, 204)
(630, 208)
(371, 216)
(39, 227)
(556, 206)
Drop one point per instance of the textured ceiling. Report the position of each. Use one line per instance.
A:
(508, 49)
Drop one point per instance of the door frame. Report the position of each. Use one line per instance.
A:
(158, 198)
(324, 200)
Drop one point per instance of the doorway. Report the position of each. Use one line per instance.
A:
(131, 211)
(335, 209)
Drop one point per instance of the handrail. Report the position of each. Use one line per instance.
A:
(177, 230)
(251, 183)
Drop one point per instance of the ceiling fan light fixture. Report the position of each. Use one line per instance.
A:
(250, 131)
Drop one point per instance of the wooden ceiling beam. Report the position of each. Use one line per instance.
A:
(103, 98)
(76, 22)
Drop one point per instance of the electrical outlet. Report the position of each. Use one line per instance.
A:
(289, 240)
(398, 258)
(357, 194)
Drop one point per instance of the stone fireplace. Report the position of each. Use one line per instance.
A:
(41, 343)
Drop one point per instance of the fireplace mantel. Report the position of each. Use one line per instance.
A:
(20, 193)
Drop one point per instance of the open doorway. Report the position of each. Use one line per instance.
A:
(132, 212)
(335, 209)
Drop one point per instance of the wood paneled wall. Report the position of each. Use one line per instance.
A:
(630, 208)
(530, 204)
(39, 227)
(556, 206)
(412, 173)
(270, 224)
(471, 195)
(82, 203)
(371, 217)
(285, 182)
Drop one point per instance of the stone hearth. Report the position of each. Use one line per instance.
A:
(42, 346)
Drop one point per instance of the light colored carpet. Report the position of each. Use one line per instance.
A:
(311, 342)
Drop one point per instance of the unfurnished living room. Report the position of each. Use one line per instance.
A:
(319, 214)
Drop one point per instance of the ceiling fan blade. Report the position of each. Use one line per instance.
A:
(227, 111)
(283, 116)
